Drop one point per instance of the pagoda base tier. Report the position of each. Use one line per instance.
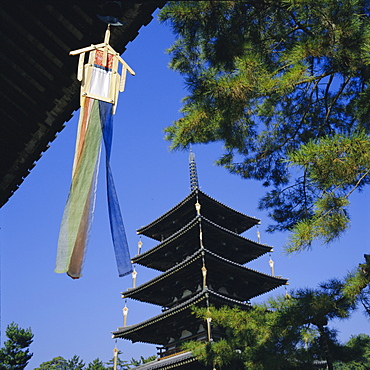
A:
(178, 324)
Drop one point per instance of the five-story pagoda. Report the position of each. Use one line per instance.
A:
(200, 255)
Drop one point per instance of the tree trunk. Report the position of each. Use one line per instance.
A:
(325, 347)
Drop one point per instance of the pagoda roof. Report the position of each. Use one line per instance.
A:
(186, 241)
(183, 360)
(159, 329)
(181, 214)
(236, 281)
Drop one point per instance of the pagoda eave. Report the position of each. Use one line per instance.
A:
(159, 329)
(183, 212)
(186, 240)
(239, 283)
(183, 361)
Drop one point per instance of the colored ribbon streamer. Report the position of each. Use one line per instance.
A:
(115, 218)
(95, 121)
(79, 209)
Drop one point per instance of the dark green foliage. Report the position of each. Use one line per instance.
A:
(15, 354)
(260, 339)
(75, 363)
(265, 78)
(356, 285)
(59, 363)
(357, 351)
(334, 167)
(288, 332)
(96, 365)
(291, 331)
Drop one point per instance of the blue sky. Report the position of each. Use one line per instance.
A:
(71, 317)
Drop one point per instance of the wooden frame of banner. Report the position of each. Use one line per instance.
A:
(84, 71)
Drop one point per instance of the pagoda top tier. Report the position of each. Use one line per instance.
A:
(185, 211)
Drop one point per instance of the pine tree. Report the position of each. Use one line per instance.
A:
(266, 78)
(57, 363)
(96, 365)
(15, 354)
(357, 351)
(286, 333)
(75, 363)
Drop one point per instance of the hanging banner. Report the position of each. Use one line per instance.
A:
(100, 85)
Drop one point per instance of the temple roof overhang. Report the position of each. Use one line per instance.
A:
(39, 89)
(224, 276)
(183, 361)
(186, 241)
(181, 214)
(159, 329)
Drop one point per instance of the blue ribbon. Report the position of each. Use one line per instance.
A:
(120, 244)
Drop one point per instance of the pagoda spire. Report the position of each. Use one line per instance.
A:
(193, 172)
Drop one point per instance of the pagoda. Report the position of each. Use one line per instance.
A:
(200, 256)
